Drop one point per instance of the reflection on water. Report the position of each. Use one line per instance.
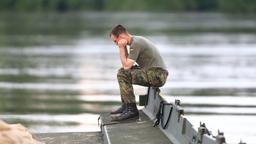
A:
(58, 71)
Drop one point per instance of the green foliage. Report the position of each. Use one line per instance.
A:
(7, 4)
(238, 6)
(28, 5)
(203, 5)
(125, 5)
(149, 5)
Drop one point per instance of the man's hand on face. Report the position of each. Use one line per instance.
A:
(122, 43)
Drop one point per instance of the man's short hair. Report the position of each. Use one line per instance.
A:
(117, 30)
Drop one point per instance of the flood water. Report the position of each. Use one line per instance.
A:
(58, 71)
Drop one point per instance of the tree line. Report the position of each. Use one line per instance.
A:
(232, 6)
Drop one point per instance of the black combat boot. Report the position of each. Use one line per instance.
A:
(119, 110)
(131, 112)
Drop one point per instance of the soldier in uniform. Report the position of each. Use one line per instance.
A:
(150, 69)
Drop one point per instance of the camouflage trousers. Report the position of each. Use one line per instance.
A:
(154, 76)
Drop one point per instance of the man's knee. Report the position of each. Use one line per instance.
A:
(157, 77)
(123, 73)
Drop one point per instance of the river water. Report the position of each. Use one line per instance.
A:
(58, 71)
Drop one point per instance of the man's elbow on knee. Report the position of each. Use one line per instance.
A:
(127, 67)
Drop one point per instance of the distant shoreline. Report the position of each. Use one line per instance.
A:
(227, 6)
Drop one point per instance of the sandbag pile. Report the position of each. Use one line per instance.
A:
(15, 134)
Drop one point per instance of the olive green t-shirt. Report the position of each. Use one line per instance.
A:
(145, 53)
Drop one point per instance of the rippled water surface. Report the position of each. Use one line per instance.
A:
(58, 71)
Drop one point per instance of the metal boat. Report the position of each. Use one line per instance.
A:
(168, 117)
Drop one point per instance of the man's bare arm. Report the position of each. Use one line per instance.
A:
(126, 62)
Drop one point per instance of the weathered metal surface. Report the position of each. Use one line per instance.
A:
(168, 119)
(179, 129)
(132, 132)
(70, 138)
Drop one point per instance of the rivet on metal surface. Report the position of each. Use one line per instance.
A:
(201, 131)
(177, 102)
(220, 139)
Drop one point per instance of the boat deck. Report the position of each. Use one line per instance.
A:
(132, 132)
(70, 138)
